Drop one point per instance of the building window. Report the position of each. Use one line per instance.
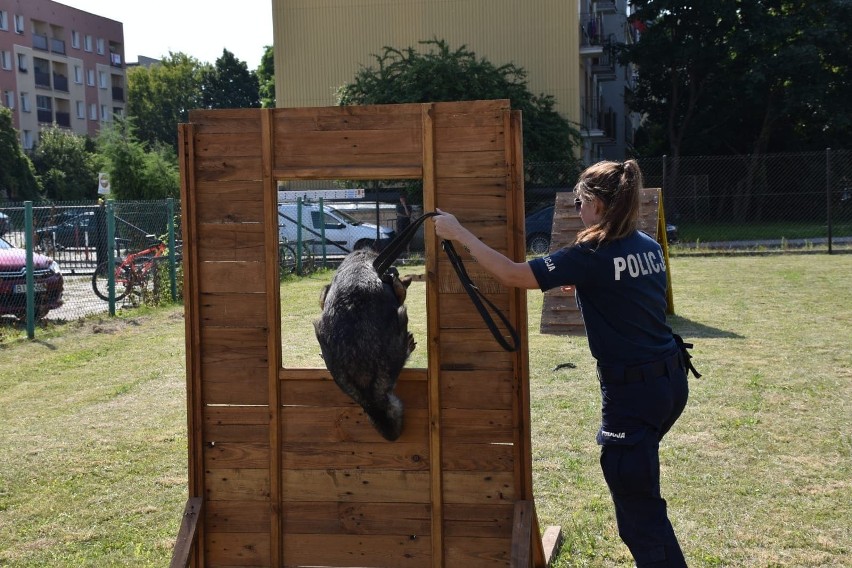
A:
(6, 60)
(25, 102)
(22, 63)
(27, 139)
(101, 49)
(75, 39)
(93, 111)
(104, 81)
(19, 24)
(104, 113)
(81, 109)
(78, 74)
(87, 43)
(9, 99)
(4, 20)
(90, 77)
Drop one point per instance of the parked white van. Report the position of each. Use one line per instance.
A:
(343, 233)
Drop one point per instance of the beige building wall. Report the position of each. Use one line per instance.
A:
(320, 44)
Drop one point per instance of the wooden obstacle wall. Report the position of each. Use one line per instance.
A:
(289, 470)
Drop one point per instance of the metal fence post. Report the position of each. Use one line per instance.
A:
(110, 219)
(322, 229)
(828, 194)
(298, 235)
(170, 202)
(30, 276)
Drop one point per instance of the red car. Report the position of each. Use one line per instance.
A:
(48, 279)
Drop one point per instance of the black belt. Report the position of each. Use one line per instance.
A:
(627, 375)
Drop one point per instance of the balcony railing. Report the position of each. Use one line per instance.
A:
(45, 115)
(42, 78)
(57, 46)
(40, 42)
(63, 119)
(60, 82)
(115, 59)
(118, 94)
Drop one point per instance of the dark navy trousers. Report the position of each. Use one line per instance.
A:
(636, 414)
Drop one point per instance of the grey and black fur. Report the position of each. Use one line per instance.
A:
(364, 337)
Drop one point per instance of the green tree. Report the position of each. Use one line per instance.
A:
(442, 74)
(160, 97)
(135, 171)
(17, 175)
(230, 84)
(266, 78)
(67, 169)
(741, 77)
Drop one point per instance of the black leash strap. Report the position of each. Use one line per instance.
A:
(382, 264)
(477, 297)
(391, 252)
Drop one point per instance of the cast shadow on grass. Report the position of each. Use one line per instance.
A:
(691, 329)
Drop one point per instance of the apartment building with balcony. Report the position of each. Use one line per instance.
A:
(59, 65)
(607, 125)
(565, 47)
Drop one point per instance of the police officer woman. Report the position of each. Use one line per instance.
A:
(619, 274)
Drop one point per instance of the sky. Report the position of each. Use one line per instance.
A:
(200, 28)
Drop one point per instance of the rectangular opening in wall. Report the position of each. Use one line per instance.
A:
(319, 223)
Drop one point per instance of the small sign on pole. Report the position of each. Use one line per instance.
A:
(103, 183)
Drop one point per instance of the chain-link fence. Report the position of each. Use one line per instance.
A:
(741, 203)
(712, 204)
(68, 244)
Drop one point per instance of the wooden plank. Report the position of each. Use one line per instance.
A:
(387, 551)
(430, 190)
(237, 549)
(225, 121)
(404, 170)
(247, 191)
(232, 276)
(226, 385)
(187, 533)
(478, 520)
(237, 516)
(353, 485)
(479, 487)
(356, 455)
(328, 517)
(273, 338)
(481, 552)
(237, 455)
(470, 138)
(220, 210)
(494, 185)
(324, 392)
(233, 310)
(216, 145)
(229, 168)
(522, 535)
(231, 241)
(479, 204)
(477, 389)
(355, 117)
(237, 484)
(192, 331)
(234, 346)
(477, 456)
(338, 144)
(478, 426)
(469, 164)
(345, 424)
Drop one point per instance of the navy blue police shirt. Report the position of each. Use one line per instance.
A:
(621, 293)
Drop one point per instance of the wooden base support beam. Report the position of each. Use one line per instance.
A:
(186, 533)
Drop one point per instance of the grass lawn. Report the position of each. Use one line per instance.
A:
(758, 471)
